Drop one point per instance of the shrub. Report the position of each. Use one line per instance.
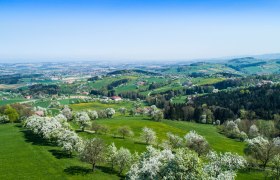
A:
(125, 131)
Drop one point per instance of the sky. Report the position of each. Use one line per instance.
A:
(137, 29)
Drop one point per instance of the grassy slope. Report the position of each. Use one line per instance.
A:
(216, 140)
(99, 106)
(22, 156)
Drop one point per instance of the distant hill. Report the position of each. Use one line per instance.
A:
(232, 67)
(133, 71)
(268, 56)
(251, 65)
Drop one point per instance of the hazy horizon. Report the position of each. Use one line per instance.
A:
(166, 30)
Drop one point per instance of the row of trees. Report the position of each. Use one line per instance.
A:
(56, 130)
(14, 113)
(184, 164)
(176, 160)
(168, 163)
(244, 129)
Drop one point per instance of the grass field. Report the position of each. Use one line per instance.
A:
(100, 106)
(179, 99)
(206, 81)
(25, 156)
(216, 140)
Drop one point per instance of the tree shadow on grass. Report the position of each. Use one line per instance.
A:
(108, 170)
(35, 139)
(59, 154)
(77, 170)
(118, 137)
(148, 119)
(141, 143)
(18, 125)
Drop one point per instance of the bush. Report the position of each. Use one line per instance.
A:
(4, 119)
(125, 131)
(197, 143)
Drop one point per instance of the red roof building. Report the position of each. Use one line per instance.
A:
(116, 98)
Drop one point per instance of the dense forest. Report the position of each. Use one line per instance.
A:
(248, 103)
(41, 89)
(264, 101)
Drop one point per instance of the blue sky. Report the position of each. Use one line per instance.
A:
(137, 30)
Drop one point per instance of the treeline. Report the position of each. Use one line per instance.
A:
(251, 103)
(263, 101)
(15, 112)
(41, 89)
(200, 114)
(128, 71)
(94, 78)
(240, 66)
(132, 95)
(186, 91)
(155, 85)
(245, 81)
(117, 83)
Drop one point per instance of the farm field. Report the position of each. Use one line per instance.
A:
(100, 106)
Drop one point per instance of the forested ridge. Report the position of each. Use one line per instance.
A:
(249, 103)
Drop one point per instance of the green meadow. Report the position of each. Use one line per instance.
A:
(23, 153)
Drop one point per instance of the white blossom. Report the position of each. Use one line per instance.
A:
(148, 135)
(223, 165)
(93, 115)
(196, 142)
(83, 120)
(70, 141)
(253, 131)
(67, 113)
(173, 141)
(4, 119)
(110, 112)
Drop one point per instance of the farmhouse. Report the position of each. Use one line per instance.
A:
(28, 97)
(140, 83)
(116, 98)
(85, 93)
(40, 113)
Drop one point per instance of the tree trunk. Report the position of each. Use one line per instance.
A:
(93, 167)
(264, 165)
(121, 170)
